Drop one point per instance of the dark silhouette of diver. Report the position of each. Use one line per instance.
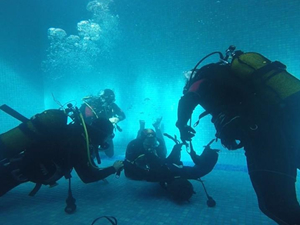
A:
(254, 104)
(146, 160)
(103, 106)
(46, 147)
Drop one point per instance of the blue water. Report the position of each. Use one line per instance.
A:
(140, 49)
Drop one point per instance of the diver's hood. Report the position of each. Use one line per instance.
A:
(206, 71)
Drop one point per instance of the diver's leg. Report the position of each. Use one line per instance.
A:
(142, 127)
(207, 159)
(110, 150)
(276, 196)
(175, 155)
(188, 172)
(157, 123)
(291, 122)
(272, 170)
(159, 134)
(191, 172)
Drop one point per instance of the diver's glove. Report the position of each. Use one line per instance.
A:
(229, 130)
(186, 133)
(177, 147)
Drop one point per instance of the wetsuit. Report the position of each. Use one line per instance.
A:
(43, 150)
(269, 134)
(94, 107)
(155, 167)
(141, 164)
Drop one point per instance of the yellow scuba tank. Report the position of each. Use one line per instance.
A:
(269, 80)
(40, 127)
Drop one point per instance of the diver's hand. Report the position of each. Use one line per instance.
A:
(186, 133)
(177, 147)
(118, 165)
(114, 120)
(229, 130)
(231, 143)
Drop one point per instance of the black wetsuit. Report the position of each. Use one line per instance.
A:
(155, 167)
(141, 164)
(269, 134)
(45, 152)
(94, 108)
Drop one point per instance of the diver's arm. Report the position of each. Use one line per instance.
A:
(88, 173)
(132, 151)
(118, 111)
(162, 148)
(186, 106)
(198, 94)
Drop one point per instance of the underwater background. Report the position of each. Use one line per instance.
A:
(56, 52)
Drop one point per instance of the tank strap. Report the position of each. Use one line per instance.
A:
(276, 65)
(28, 132)
(41, 128)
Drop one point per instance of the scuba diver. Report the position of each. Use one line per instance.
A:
(145, 151)
(254, 104)
(158, 132)
(46, 147)
(103, 106)
(146, 160)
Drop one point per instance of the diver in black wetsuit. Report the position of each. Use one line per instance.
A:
(254, 104)
(45, 148)
(146, 160)
(103, 106)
